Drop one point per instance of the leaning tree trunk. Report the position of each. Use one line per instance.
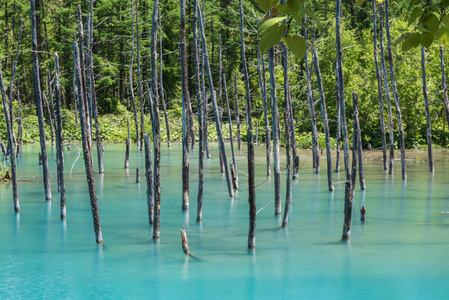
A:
(60, 140)
(185, 98)
(426, 105)
(325, 121)
(154, 99)
(39, 109)
(263, 92)
(443, 79)
(387, 94)
(250, 143)
(276, 134)
(11, 149)
(395, 94)
(214, 104)
(344, 130)
(87, 149)
(379, 90)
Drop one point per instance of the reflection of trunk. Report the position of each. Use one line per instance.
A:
(325, 121)
(250, 143)
(214, 104)
(185, 111)
(59, 140)
(395, 94)
(39, 109)
(426, 105)
(87, 147)
(344, 130)
(276, 133)
(379, 90)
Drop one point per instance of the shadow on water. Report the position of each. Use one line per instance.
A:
(429, 197)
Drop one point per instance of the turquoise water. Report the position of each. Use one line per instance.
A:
(401, 252)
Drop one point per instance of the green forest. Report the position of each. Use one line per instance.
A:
(114, 42)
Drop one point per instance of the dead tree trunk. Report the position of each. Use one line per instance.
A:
(131, 88)
(325, 121)
(443, 79)
(11, 149)
(127, 143)
(233, 166)
(154, 98)
(149, 177)
(75, 95)
(379, 90)
(387, 94)
(426, 105)
(214, 104)
(348, 187)
(185, 111)
(237, 114)
(395, 94)
(87, 149)
(250, 143)
(358, 136)
(139, 81)
(288, 195)
(161, 84)
(37, 96)
(59, 140)
(337, 160)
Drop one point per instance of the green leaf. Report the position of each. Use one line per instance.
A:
(296, 10)
(426, 39)
(282, 9)
(416, 13)
(445, 20)
(412, 41)
(314, 18)
(296, 44)
(431, 23)
(271, 37)
(266, 5)
(442, 35)
(270, 22)
(359, 2)
(406, 45)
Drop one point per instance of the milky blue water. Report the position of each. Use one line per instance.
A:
(401, 252)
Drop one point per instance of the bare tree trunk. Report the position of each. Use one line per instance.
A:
(149, 177)
(131, 88)
(161, 85)
(337, 160)
(348, 187)
(395, 94)
(426, 105)
(60, 141)
(233, 166)
(387, 95)
(139, 81)
(237, 114)
(288, 195)
(379, 90)
(185, 111)
(325, 121)
(75, 95)
(214, 104)
(39, 110)
(87, 149)
(443, 79)
(358, 136)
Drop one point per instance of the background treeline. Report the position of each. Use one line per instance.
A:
(56, 21)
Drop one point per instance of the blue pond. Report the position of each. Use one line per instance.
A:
(401, 252)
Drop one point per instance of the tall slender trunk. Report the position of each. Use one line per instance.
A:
(288, 195)
(379, 90)
(87, 148)
(214, 104)
(395, 94)
(237, 114)
(130, 77)
(443, 79)
(325, 120)
(387, 94)
(149, 177)
(75, 95)
(185, 113)
(60, 140)
(344, 130)
(139, 81)
(426, 105)
(161, 84)
(337, 160)
(37, 96)
(358, 135)
(233, 167)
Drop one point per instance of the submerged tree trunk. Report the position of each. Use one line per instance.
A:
(358, 139)
(60, 140)
(214, 104)
(426, 105)
(395, 94)
(149, 178)
(325, 121)
(185, 111)
(37, 96)
(348, 187)
(288, 195)
(127, 143)
(387, 94)
(379, 90)
(87, 149)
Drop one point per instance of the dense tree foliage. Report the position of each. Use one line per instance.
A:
(112, 51)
